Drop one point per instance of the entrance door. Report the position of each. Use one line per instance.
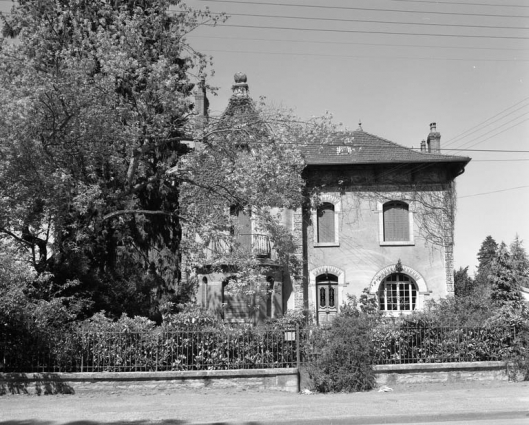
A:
(327, 297)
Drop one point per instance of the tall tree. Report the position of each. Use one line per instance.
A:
(520, 261)
(95, 102)
(486, 254)
(463, 283)
(505, 279)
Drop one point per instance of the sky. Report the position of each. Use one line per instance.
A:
(397, 66)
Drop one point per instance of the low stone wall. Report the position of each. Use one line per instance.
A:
(287, 379)
(70, 383)
(440, 372)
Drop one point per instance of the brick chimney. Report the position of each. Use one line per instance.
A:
(423, 146)
(434, 140)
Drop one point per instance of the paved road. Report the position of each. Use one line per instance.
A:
(469, 403)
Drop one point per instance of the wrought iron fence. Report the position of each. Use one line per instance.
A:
(79, 350)
(159, 351)
(442, 344)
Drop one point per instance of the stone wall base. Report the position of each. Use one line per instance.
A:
(287, 379)
(440, 372)
(137, 382)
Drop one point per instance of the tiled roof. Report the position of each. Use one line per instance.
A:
(359, 147)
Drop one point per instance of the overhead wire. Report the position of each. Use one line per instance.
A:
(369, 21)
(494, 191)
(428, 58)
(438, 3)
(426, 46)
(329, 30)
(429, 12)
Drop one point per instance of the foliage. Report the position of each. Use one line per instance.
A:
(248, 163)
(415, 342)
(486, 254)
(505, 279)
(520, 261)
(342, 355)
(463, 283)
(469, 310)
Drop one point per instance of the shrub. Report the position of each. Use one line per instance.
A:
(341, 356)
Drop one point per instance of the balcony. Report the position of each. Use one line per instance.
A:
(259, 244)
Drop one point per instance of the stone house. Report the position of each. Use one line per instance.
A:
(381, 222)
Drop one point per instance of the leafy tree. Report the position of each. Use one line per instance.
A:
(97, 183)
(248, 163)
(505, 279)
(463, 283)
(94, 107)
(485, 256)
(520, 260)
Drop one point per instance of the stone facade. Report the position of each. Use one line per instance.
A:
(381, 221)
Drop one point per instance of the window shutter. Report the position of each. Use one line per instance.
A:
(326, 223)
(396, 222)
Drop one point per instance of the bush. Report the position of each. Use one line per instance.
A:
(341, 357)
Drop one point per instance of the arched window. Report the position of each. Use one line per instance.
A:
(397, 292)
(326, 223)
(396, 222)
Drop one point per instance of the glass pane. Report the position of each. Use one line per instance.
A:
(331, 296)
(326, 223)
(323, 301)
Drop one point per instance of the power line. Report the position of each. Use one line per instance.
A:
(497, 134)
(494, 191)
(428, 46)
(261, 3)
(462, 135)
(499, 37)
(364, 56)
(432, 24)
(438, 3)
(499, 160)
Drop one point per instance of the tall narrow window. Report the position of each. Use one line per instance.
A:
(242, 229)
(396, 222)
(326, 223)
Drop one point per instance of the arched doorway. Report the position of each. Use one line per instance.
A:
(327, 297)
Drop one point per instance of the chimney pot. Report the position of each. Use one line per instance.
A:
(423, 146)
(434, 139)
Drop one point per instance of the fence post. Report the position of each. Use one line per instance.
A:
(298, 340)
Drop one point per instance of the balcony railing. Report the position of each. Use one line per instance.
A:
(260, 245)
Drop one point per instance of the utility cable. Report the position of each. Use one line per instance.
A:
(367, 21)
(328, 30)
(494, 191)
(364, 56)
(430, 12)
(427, 46)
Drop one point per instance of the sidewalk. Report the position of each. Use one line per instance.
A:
(492, 401)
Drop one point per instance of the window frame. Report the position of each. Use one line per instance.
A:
(411, 290)
(381, 211)
(337, 211)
